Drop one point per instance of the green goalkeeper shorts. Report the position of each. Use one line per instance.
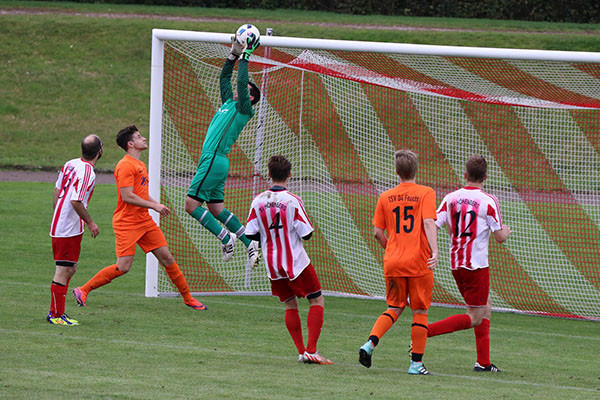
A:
(209, 182)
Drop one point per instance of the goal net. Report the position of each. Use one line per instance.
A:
(338, 110)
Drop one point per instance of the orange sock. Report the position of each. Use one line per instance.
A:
(418, 334)
(103, 277)
(179, 281)
(383, 324)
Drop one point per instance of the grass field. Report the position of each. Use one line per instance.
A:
(132, 347)
(65, 73)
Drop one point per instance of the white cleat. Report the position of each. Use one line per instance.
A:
(228, 248)
(316, 358)
(254, 254)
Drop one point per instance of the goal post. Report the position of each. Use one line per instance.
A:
(339, 109)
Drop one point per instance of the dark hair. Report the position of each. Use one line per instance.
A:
(406, 164)
(254, 92)
(90, 146)
(476, 168)
(124, 136)
(279, 168)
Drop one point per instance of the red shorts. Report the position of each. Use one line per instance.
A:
(305, 285)
(474, 285)
(67, 248)
(148, 238)
(419, 289)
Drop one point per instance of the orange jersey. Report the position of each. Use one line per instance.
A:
(131, 172)
(401, 211)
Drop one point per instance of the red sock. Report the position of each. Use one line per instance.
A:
(315, 323)
(451, 324)
(482, 342)
(103, 277)
(418, 334)
(294, 327)
(57, 302)
(179, 281)
(383, 324)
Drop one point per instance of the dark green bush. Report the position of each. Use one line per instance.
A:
(582, 11)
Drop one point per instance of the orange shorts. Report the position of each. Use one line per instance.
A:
(418, 289)
(149, 238)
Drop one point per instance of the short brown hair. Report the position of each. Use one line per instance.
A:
(406, 164)
(279, 168)
(124, 136)
(476, 168)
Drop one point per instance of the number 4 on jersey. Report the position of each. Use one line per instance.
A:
(276, 224)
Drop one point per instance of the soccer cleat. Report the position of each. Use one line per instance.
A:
(80, 296)
(315, 358)
(417, 368)
(253, 254)
(195, 304)
(228, 248)
(490, 368)
(365, 353)
(301, 358)
(62, 320)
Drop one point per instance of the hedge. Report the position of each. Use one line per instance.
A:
(581, 11)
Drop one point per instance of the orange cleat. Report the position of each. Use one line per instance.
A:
(195, 304)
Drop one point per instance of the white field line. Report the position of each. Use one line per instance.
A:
(278, 307)
(236, 354)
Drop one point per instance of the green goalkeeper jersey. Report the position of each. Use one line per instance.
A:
(228, 122)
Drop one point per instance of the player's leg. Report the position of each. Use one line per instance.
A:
(307, 285)
(125, 245)
(281, 289)
(466, 285)
(102, 277)
(165, 258)
(207, 220)
(233, 224)
(315, 324)
(66, 254)
(482, 341)
(294, 326)
(420, 290)
(382, 325)
(397, 299)
(58, 291)
(208, 186)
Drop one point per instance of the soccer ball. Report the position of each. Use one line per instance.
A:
(247, 34)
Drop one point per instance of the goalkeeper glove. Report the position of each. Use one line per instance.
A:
(236, 49)
(249, 49)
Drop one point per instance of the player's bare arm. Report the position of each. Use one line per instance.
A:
(502, 234)
(131, 198)
(85, 216)
(380, 236)
(56, 193)
(431, 233)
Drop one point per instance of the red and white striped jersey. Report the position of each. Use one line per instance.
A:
(471, 215)
(76, 181)
(280, 218)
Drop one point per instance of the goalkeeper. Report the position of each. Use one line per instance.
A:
(209, 182)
